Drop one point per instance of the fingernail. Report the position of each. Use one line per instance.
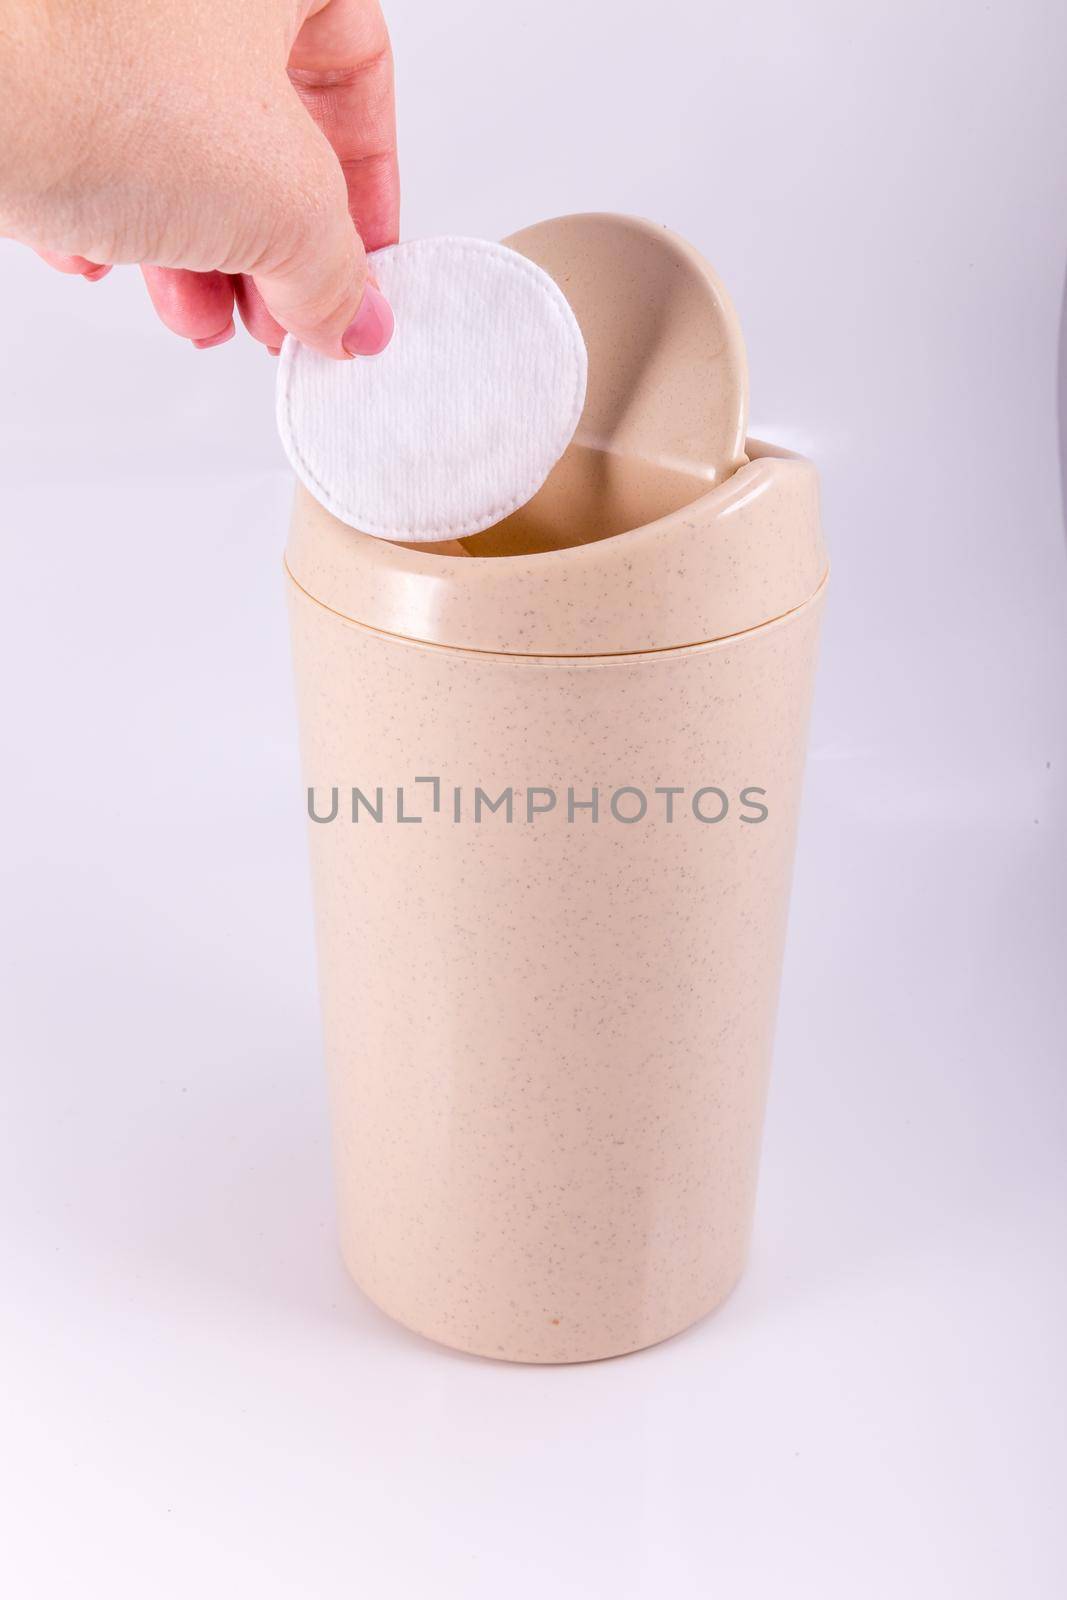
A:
(372, 327)
(94, 274)
(216, 338)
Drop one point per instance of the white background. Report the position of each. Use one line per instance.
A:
(195, 1400)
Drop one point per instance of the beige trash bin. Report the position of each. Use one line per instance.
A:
(553, 777)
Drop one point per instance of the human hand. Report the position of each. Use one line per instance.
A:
(236, 152)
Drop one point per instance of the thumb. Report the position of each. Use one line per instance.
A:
(310, 266)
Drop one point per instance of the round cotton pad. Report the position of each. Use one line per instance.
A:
(462, 417)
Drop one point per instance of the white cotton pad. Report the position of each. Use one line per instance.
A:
(462, 417)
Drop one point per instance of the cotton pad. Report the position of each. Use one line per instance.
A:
(462, 417)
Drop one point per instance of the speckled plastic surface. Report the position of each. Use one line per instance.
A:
(549, 1031)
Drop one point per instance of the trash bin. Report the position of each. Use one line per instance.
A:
(553, 775)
